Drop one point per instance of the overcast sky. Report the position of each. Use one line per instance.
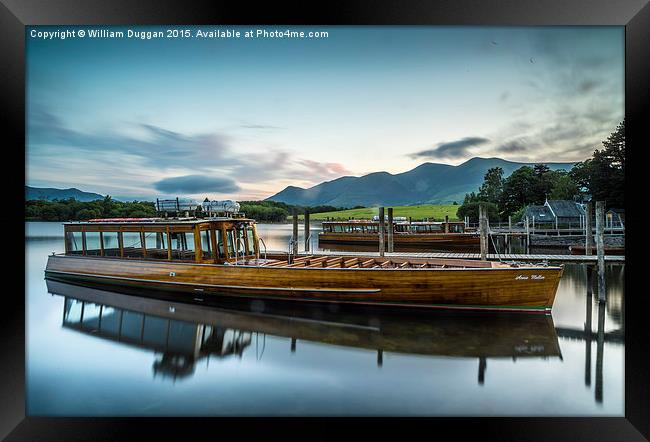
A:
(243, 118)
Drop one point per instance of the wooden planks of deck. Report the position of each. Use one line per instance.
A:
(492, 256)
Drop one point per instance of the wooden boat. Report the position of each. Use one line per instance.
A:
(421, 234)
(221, 257)
(192, 332)
(581, 250)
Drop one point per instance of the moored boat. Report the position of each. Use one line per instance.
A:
(581, 250)
(221, 257)
(406, 234)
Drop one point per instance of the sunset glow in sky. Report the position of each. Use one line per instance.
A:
(243, 118)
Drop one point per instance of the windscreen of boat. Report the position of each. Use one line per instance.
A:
(156, 244)
(251, 240)
(206, 243)
(241, 242)
(230, 238)
(132, 244)
(74, 243)
(220, 247)
(111, 241)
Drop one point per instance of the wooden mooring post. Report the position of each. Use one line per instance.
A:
(527, 236)
(600, 249)
(294, 237)
(390, 229)
(589, 240)
(483, 226)
(307, 232)
(381, 231)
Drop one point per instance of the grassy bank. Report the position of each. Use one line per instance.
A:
(430, 211)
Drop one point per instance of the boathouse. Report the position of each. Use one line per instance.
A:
(555, 212)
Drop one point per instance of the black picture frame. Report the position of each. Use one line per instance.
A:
(16, 14)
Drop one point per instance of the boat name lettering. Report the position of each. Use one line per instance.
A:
(521, 277)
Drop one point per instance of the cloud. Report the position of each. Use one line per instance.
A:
(148, 153)
(193, 184)
(325, 170)
(451, 149)
(513, 146)
(260, 126)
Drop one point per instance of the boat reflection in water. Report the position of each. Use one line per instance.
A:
(187, 333)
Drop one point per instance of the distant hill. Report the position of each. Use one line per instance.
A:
(429, 183)
(47, 193)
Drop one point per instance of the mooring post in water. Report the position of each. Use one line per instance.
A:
(294, 240)
(587, 331)
(482, 221)
(446, 223)
(527, 237)
(589, 241)
(307, 232)
(390, 229)
(482, 365)
(381, 231)
(380, 358)
(590, 280)
(600, 348)
(293, 345)
(600, 249)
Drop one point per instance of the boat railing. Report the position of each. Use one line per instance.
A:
(291, 248)
(260, 240)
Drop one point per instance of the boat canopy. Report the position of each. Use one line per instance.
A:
(208, 240)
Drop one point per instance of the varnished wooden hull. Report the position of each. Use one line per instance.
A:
(522, 288)
(419, 240)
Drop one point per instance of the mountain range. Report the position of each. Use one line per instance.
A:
(429, 183)
(48, 193)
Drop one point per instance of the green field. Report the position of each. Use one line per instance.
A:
(429, 211)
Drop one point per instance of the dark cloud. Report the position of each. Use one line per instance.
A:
(587, 86)
(196, 184)
(513, 146)
(159, 147)
(451, 149)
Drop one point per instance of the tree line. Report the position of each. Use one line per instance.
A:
(599, 178)
(73, 210)
(275, 211)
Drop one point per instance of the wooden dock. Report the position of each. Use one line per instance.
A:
(592, 259)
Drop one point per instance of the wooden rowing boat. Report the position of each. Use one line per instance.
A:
(220, 257)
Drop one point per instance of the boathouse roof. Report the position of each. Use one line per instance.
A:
(565, 208)
(540, 213)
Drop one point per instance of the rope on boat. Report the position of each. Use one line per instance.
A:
(495, 248)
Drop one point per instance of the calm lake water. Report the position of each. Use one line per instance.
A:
(96, 353)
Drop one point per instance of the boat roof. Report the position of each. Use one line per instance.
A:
(179, 220)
